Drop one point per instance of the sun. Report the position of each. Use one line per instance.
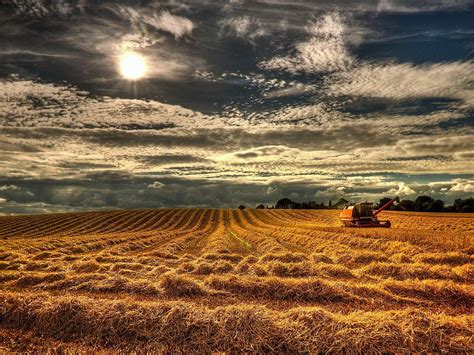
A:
(132, 66)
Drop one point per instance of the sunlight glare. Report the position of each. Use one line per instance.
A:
(132, 66)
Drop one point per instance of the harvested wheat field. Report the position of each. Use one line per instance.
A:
(207, 280)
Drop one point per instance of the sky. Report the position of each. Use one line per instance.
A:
(242, 102)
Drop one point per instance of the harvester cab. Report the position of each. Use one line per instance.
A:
(362, 215)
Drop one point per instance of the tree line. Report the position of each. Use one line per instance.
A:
(429, 204)
(420, 204)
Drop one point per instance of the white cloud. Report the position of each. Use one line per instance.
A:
(293, 90)
(264, 153)
(402, 190)
(244, 27)
(327, 51)
(164, 21)
(43, 8)
(24, 103)
(407, 81)
(130, 42)
(176, 25)
(271, 190)
(454, 188)
(9, 188)
(439, 144)
(469, 155)
(462, 185)
(419, 5)
(314, 115)
(324, 51)
(331, 193)
(156, 185)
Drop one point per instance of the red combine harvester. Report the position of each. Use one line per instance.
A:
(362, 215)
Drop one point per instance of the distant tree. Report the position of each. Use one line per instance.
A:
(310, 205)
(451, 208)
(341, 203)
(260, 207)
(436, 206)
(241, 207)
(407, 205)
(466, 205)
(286, 203)
(423, 203)
(467, 208)
(383, 201)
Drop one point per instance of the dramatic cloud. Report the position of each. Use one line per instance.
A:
(292, 90)
(417, 6)
(9, 188)
(324, 51)
(402, 190)
(25, 103)
(271, 152)
(178, 26)
(462, 185)
(409, 82)
(44, 8)
(156, 185)
(244, 27)
(242, 103)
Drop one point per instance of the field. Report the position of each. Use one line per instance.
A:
(207, 280)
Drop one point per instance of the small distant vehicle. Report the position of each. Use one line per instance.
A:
(362, 215)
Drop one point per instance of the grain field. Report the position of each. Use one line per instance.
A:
(208, 280)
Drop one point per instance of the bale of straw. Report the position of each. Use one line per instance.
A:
(223, 267)
(185, 327)
(180, 285)
(441, 292)
(280, 289)
(284, 257)
(186, 267)
(299, 269)
(321, 258)
(36, 279)
(401, 258)
(164, 255)
(466, 271)
(451, 258)
(203, 268)
(259, 270)
(234, 258)
(367, 257)
(250, 259)
(333, 271)
(4, 265)
(86, 266)
(32, 265)
(127, 266)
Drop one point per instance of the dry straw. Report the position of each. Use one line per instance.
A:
(202, 281)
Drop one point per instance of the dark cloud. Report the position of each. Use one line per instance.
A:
(338, 138)
(9, 147)
(166, 159)
(44, 8)
(139, 192)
